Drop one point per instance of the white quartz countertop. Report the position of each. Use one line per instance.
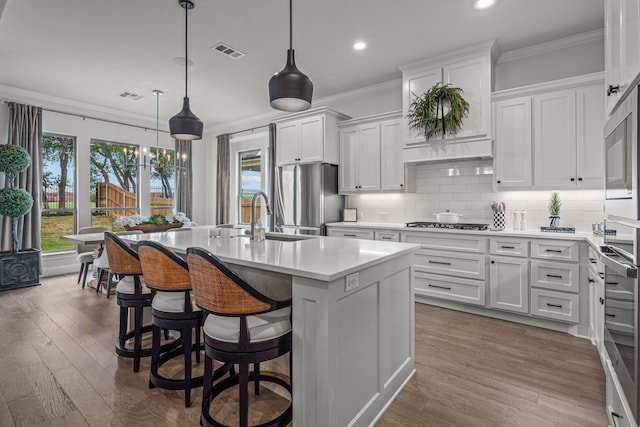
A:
(320, 258)
(594, 240)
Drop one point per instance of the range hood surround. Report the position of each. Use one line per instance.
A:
(444, 150)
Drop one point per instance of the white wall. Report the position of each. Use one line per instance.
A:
(471, 195)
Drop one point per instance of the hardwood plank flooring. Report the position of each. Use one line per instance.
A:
(58, 368)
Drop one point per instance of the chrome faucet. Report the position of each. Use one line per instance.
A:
(253, 210)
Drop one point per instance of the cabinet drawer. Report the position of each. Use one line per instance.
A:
(450, 288)
(557, 276)
(555, 305)
(510, 247)
(618, 316)
(350, 233)
(471, 266)
(390, 236)
(619, 287)
(446, 241)
(553, 249)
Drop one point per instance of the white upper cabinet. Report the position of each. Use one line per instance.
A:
(552, 137)
(371, 154)
(622, 48)
(513, 142)
(311, 136)
(470, 69)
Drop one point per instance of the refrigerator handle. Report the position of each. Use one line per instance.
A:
(296, 181)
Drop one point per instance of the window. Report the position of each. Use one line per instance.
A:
(250, 182)
(58, 191)
(114, 181)
(162, 182)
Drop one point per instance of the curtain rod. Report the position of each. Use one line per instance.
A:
(84, 117)
(247, 130)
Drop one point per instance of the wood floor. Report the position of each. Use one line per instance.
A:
(58, 367)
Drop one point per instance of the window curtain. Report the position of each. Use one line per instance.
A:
(25, 130)
(184, 177)
(223, 198)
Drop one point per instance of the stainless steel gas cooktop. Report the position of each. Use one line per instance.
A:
(457, 226)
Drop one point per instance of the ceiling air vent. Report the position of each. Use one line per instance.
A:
(129, 95)
(228, 50)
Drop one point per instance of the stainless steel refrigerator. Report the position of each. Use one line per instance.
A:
(307, 198)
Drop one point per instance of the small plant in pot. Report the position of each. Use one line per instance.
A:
(441, 109)
(554, 210)
(14, 202)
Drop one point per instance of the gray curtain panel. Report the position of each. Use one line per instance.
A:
(223, 198)
(184, 178)
(25, 130)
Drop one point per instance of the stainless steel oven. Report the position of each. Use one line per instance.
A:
(621, 159)
(620, 256)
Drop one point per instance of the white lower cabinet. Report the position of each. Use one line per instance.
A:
(352, 233)
(387, 235)
(556, 276)
(555, 305)
(452, 288)
(509, 283)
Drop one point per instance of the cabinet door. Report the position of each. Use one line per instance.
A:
(590, 141)
(509, 283)
(415, 85)
(348, 170)
(288, 141)
(368, 143)
(612, 34)
(629, 42)
(312, 139)
(471, 76)
(513, 143)
(555, 139)
(391, 165)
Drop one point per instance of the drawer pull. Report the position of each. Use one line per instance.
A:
(601, 275)
(601, 300)
(507, 247)
(610, 315)
(591, 280)
(439, 262)
(556, 251)
(349, 235)
(439, 287)
(386, 238)
(592, 260)
(555, 276)
(554, 305)
(612, 283)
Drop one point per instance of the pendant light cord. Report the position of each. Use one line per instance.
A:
(157, 125)
(291, 24)
(186, 52)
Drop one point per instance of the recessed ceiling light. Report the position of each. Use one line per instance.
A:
(483, 4)
(360, 45)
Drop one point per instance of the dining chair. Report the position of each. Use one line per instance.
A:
(242, 326)
(86, 252)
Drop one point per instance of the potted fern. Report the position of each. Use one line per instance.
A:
(441, 109)
(554, 209)
(18, 268)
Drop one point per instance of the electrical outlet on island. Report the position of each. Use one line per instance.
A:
(352, 281)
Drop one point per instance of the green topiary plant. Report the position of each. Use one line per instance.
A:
(427, 112)
(554, 209)
(14, 202)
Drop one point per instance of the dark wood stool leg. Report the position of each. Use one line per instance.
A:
(137, 337)
(256, 379)
(207, 382)
(244, 394)
(198, 343)
(124, 311)
(187, 344)
(155, 352)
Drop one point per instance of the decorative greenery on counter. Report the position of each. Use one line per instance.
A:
(440, 109)
(554, 209)
(14, 202)
(133, 220)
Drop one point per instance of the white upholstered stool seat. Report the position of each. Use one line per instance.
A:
(261, 327)
(170, 302)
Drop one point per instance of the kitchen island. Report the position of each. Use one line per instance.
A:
(353, 316)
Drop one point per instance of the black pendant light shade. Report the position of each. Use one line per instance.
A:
(290, 89)
(185, 125)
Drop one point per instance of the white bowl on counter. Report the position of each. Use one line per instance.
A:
(448, 217)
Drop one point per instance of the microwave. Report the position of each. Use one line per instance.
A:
(621, 159)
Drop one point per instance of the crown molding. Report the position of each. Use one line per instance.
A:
(566, 83)
(564, 43)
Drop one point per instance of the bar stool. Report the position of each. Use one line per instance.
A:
(131, 294)
(167, 274)
(242, 326)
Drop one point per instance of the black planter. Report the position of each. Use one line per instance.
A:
(19, 269)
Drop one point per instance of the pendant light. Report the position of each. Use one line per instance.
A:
(185, 125)
(290, 89)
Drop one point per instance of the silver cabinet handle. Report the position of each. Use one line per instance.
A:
(621, 268)
(439, 262)
(439, 287)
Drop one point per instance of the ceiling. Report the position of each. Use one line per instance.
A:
(89, 51)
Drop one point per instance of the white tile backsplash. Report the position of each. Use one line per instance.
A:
(471, 195)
